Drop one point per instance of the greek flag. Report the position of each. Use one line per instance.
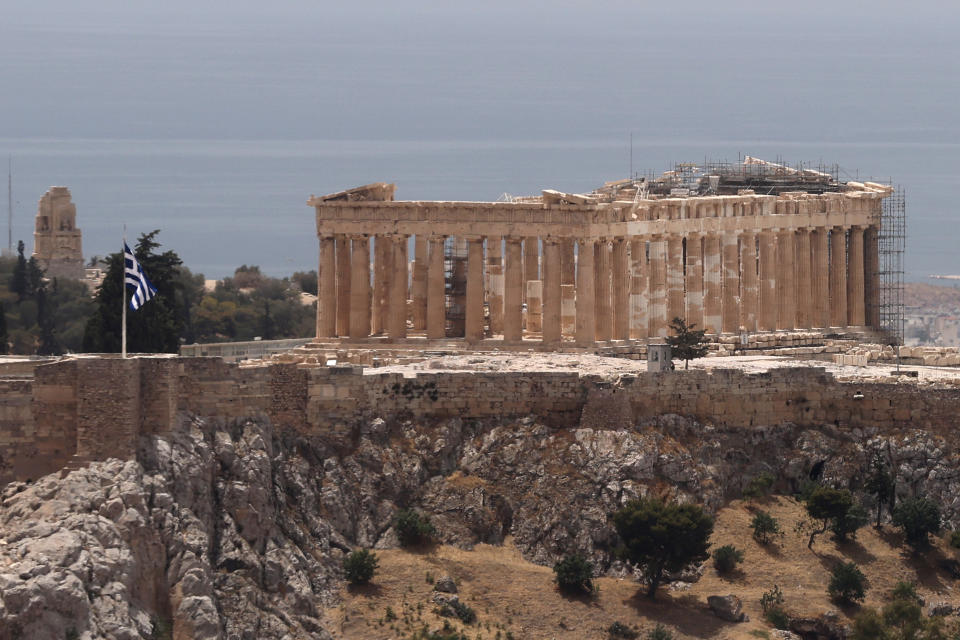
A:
(136, 280)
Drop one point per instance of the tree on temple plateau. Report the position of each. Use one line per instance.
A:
(155, 327)
(686, 343)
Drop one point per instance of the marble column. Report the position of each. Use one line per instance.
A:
(586, 301)
(838, 277)
(693, 301)
(750, 294)
(730, 302)
(568, 265)
(820, 265)
(786, 280)
(342, 244)
(712, 284)
(638, 289)
(855, 279)
(768, 281)
(383, 270)
(551, 291)
(657, 288)
(473, 320)
(534, 323)
(602, 290)
(871, 275)
(513, 291)
(360, 287)
(495, 283)
(804, 279)
(436, 290)
(620, 290)
(327, 289)
(418, 288)
(675, 301)
(568, 310)
(397, 325)
(531, 261)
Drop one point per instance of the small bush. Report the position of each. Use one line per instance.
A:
(412, 528)
(759, 486)
(765, 526)
(772, 598)
(778, 617)
(726, 558)
(660, 632)
(847, 583)
(574, 574)
(918, 518)
(360, 566)
(620, 630)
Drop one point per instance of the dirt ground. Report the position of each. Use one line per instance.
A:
(514, 598)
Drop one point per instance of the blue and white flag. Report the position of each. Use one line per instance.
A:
(136, 280)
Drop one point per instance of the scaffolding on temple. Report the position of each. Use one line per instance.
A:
(892, 240)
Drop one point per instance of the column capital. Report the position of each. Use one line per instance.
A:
(551, 240)
(513, 239)
(473, 238)
(358, 236)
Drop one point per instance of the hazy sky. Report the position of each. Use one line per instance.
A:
(527, 93)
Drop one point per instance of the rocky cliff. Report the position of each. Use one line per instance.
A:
(237, 530)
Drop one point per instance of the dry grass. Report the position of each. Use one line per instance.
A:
(511, 594)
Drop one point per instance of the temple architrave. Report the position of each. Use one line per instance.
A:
(614, 265)
(57, 242)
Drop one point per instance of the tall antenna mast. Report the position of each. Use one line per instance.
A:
(10, 204)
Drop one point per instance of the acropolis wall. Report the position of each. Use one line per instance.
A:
(575, 269)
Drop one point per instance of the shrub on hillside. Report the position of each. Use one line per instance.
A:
(412, 528)
(905, 591)
(360, 566)
(918, 518)
(660, 632)
(574, 574)
(726, 558)
(847, 583)
(828, 506)
(765, 526)
(759, 486)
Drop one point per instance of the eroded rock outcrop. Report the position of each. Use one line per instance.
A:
(237, 530)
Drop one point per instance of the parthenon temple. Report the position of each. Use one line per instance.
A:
(762, 249)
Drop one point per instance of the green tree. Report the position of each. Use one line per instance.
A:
(360, 566)
(847, 525)
(827, 505)
(47, 343)
(18, 281)
(765, 526)
(880, 483)
(686, 343)
(659, 537)
(918, 518)
(157, 325)
(574, 574)
(847, 583)
(412, 528)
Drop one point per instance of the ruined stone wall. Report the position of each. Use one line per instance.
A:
(97, 407)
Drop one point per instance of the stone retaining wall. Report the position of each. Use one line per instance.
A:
(93, 408)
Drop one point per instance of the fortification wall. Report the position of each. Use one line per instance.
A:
(95, 408)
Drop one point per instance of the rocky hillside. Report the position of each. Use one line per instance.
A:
(237, 530)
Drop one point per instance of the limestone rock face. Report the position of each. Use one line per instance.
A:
(238, 530)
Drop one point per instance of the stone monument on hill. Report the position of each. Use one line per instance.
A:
(56, 238)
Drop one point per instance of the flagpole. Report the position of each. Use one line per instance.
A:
(123, 296)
